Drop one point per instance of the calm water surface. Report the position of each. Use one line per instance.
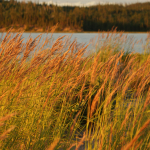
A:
(134, 41)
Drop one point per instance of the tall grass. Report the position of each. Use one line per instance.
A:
(61, 99)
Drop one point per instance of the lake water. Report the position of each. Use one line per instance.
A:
(136, 42)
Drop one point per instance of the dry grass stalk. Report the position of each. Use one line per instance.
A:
(126, 116)
(110, 96)
(123, 76)
(30, 45)
(2, 119)
(4, 135)
(129, 145)
(139, 144)
(94, 67)
(74, 122)
(2, 96)
(81, 141)
(18, 85)
(1, 124)
(128, 83)
(147, 102)
(54, 144)
(13, 47)
(72, 145)
(96, 98)
(115, 68)
(82, 89)
(142, 84)
(110, 137)
(101, 139)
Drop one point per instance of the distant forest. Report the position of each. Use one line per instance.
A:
(133, 17)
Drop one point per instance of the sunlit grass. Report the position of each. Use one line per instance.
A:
(59, 98)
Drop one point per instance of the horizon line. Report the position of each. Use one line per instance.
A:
(79, 4)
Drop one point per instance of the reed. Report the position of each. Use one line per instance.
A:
(59, 98)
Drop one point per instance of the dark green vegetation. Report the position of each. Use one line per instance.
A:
(134, 17)
(57, 98)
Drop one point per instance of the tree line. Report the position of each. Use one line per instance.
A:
(133, 17)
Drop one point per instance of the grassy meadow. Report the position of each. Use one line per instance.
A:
(57, 98)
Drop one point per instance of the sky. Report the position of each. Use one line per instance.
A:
(86, 2)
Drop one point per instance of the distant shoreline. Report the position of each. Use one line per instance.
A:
(72, 31)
